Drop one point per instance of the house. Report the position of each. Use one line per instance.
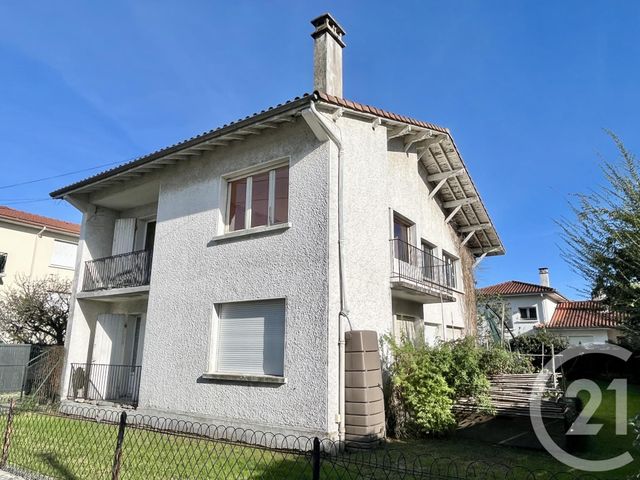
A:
(217, 277)
(33, 246)
(539, 305)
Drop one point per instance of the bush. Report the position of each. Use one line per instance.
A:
(426, 381)
(497, 360)
(532, 343)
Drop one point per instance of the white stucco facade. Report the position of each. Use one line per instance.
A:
(196, 267)
(544, 306)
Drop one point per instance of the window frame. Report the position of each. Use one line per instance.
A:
(248, 174)
(74, 245)
(213, 373)
(529, 309)
(454, 260)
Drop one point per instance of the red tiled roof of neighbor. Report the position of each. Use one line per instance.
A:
(583, 314)
(38, 220)
(515, 287)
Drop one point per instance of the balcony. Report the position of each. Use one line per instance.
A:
(119, 271)
(419, 276)
(107, 383)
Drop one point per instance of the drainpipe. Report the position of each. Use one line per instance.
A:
(312, 115)
(35, 250)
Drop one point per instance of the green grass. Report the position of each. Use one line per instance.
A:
(63, 447)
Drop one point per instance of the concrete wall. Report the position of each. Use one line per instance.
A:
(586, 336)
(30, 254)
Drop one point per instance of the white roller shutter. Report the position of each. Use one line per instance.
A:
(251, 338)
(64, 254)
(123, 236)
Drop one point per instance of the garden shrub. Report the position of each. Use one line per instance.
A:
(426, 381)
(531, 343)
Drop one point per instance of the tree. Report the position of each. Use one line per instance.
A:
(602, 242)
(36, 311)
(494, 317)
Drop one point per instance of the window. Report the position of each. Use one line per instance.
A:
(407, 328)
(401, 238)
(64, 254)
(429, 260)
(258, 200)
(3, 263)
(150, 235)
(450, 270)
(528, 313)
(250, 338)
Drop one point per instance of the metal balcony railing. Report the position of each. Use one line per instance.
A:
(119, 271)
(415, 265)
(104, 382)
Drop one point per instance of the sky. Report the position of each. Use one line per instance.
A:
(527, 89)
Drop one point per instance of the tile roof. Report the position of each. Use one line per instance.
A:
(27, 218)
(288, 105)
(584, 314)
(360, 107)
(515, 287)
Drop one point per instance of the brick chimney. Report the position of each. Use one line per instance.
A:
(544, 276)
(327, 55)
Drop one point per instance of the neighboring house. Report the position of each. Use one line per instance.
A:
(535, 306)
(586, 322)
(33, 246)
(216, 277)
(531, 304)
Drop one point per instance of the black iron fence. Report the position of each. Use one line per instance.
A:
(421, 266)
(119, 271)
(104, 382)
(83, 443)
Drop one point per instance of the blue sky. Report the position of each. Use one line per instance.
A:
(525, 87)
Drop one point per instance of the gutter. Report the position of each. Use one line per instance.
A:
(325, 131)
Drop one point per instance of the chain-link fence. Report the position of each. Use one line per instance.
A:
(87, 443)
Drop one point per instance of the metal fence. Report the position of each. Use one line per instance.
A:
(119, 271)
(79, 443)
(13, 367)
(112, 383)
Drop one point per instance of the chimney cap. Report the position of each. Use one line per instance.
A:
(326, 23)
(543, 270)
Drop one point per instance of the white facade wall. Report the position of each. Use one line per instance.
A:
(381, 178)
(544, 305)
(193, 271)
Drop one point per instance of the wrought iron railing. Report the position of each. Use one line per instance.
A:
(416, 265)
(104, 382)
(119, 271)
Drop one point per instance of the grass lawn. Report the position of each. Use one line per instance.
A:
(605, 444)
(67, 448)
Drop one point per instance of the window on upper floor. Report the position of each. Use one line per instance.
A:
(450, 270)
(260, 199)
(3, 263)
(429, 260)
(250, 338)
(401, 238)
(64, 254)
(528, 313)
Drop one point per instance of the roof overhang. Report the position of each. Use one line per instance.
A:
(446, 171)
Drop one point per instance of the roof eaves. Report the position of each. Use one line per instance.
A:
(206, 136)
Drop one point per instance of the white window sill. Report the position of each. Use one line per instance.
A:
(62, 267)
(240, 377)
(252, 231)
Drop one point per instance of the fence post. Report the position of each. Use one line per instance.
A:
(315, 459)
(115, 471)
(553, 366)
(7, 435)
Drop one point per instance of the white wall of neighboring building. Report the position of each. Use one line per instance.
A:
(544, 305)
(584, 336)
(36, 256)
